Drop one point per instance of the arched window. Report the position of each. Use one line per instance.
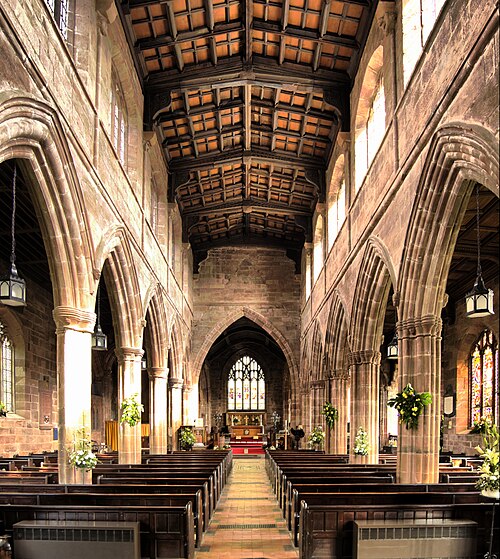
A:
(483, 364)
(370, 118)
(336, 214)
(419, 17)
(7, 369)
(119, 120)
(318, 252)
(60, 12)
(246, 386)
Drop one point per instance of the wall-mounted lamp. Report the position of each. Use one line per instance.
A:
(392, 348)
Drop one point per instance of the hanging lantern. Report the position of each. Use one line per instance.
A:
(99, 338)
(13, 288)
(392, 348)
(479, 301)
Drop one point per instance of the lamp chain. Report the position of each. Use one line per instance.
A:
(98, 304)
(13, 252)
(479, 270)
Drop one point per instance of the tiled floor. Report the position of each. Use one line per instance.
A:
(247, 523)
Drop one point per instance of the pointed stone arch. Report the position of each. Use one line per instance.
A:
(30, 129)
(176, 350)
(261, 321)
(158, 326)
(459, 156)
(315, 358)
(114, 257)
(336, 335)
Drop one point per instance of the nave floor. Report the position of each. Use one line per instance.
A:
(247, 523)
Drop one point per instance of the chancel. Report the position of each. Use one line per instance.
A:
(249, 278)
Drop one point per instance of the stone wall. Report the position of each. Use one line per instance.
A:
(256, 282)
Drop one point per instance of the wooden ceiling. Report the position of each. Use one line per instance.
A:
(248, 97)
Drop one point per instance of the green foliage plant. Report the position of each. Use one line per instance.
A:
(489, 471)
(80, 454)
(317, 436)
(131, 410)
(187, 438)
(331, 414)
(410, 405)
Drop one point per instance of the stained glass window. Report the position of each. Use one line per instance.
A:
(7, 369)
(246, 386)
(483, 364)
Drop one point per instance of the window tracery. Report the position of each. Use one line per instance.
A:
(483, 366)
(7, 369)
(246, 386)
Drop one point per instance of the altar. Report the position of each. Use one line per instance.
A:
(246, 424)
(247, 430)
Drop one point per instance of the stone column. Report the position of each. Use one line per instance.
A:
(318, 390)
(420, 364)
(191, 404)
(175, 408)
(308, 272)
(339, 397)
(74, 329)
(129, 383)
(365, 380)
(158, 410)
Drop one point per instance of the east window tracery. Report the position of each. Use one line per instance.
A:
(246, 386)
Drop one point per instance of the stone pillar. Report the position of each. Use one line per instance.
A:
(157, 410)
(175, 407)
(365, 380)
(318, 390)
(339, 397)
(308, 252)
(190, 404)
(129, 383)
(74, 329)
(420, 364)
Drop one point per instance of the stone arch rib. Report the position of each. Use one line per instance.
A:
(30, 129)
(158, 327)
(336, 335)
(459, 155)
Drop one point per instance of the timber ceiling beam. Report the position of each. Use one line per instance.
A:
(247, 206)
(213, 160)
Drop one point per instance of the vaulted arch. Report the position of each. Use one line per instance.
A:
(30, 129)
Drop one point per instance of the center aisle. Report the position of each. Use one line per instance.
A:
(247, 523)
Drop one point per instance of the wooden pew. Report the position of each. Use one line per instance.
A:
(167, 532)
(327, 530)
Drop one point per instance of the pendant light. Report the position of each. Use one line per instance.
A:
(99, 338)
(479, 301)
(392, 348)
(13, 288)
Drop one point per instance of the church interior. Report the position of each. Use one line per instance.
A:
(253, 229)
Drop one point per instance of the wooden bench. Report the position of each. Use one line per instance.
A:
(167, 532)
(327, 530)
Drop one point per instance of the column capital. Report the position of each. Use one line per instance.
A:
(69, 318)
(157, 373)
(128, 353)
(340, 374)
(365, 356)
(387, 22)
(175, 383)
(317, 384)
(428, 325)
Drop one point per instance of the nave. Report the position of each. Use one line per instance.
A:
(247, 523)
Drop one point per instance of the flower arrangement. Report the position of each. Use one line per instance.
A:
(489, 471)
(187, 438)
(226, 446)
(479, 426)
(131, 410)
(410, 404)
(3, 409)
(80, 455)
(331, 414)
(361, 445)
(317, 436)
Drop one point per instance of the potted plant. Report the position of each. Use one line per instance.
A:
(331, 414)
(187, 438)
(3, 409)
(317, 437)
(361, 444)
(131, 410)
(489, 471)
(410, 405)
(80, 455)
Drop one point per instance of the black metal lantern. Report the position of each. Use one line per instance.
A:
(13, 288)
(392, 348)
(99, 338)
(479, 301)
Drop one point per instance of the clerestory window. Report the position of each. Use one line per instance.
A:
(60, 13)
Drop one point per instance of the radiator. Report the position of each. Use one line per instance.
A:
(414, 539)
(53, 539)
